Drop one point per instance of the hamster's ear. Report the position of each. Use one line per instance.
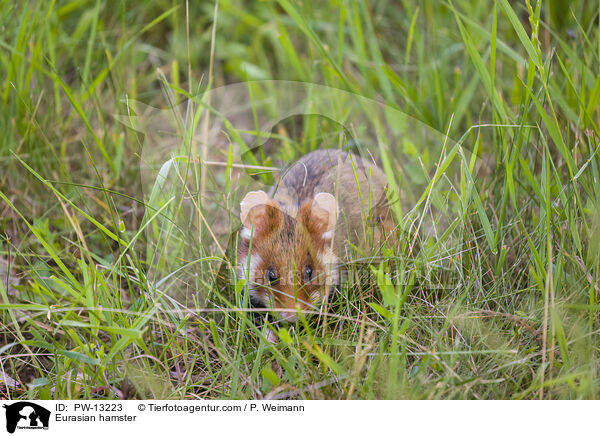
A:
(325, 206)
(251, 200)
(258, 209)
(320, 216)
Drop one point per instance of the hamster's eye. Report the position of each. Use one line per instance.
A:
(308, 272)
(271, 276)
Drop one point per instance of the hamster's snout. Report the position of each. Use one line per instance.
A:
(288, 306)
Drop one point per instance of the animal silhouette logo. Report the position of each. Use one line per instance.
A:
(25, 414)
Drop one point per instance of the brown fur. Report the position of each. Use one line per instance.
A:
(292, 228)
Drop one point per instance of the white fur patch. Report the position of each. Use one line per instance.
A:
(255, 260)
(330, 261)
(246, 233)
(328, 258)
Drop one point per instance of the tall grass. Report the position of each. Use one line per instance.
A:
(496, 298)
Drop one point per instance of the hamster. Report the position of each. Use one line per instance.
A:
(294, 238)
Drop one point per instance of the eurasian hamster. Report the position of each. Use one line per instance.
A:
(298, 234)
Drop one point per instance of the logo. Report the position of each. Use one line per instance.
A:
(26, 415)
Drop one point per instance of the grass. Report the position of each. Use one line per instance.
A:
(115, 241)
